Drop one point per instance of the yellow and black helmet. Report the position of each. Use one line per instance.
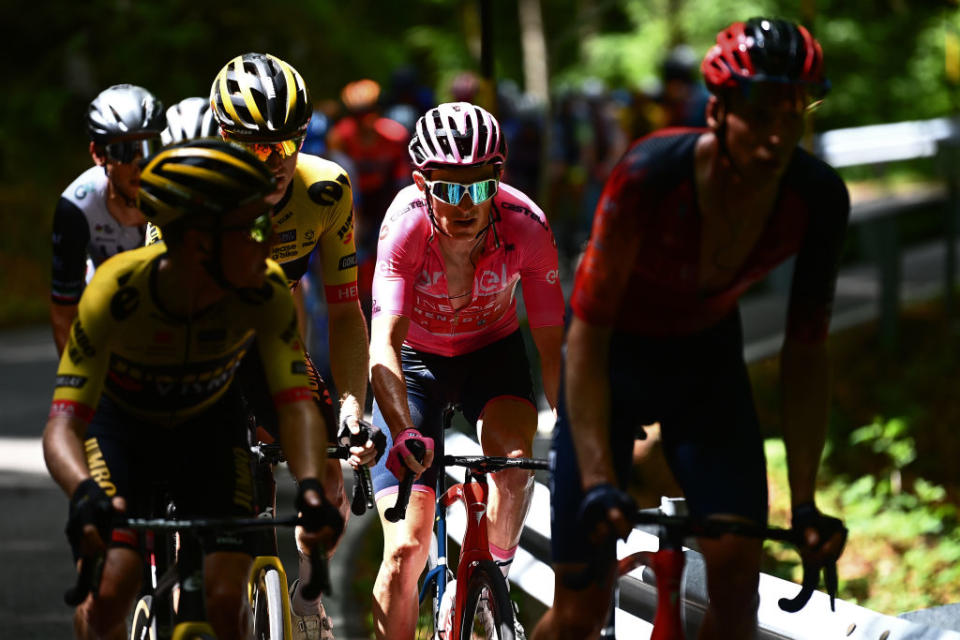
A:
(201, 178)
(260, 95)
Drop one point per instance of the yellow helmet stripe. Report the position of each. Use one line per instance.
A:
(225, 93)
(208, 175)
(291, 77)
(215, 154)
(248, 99)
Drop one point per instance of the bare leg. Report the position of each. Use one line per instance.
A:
(406, 545)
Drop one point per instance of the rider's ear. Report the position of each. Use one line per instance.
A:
(98, 154)
(420, 181)
(715, 112)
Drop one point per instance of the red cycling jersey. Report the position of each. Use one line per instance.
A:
(648, 222)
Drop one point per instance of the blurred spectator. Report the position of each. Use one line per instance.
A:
(378, 148)
(684, 96)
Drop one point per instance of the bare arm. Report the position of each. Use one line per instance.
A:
(349, 356)
(588, 400)
(61, 317)
(386, 374)
(549, 341)
(303, 438)
(805, 377)
(63, 451)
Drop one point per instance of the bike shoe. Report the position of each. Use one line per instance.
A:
(317, 626)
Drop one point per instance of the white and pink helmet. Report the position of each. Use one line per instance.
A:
(457, 134)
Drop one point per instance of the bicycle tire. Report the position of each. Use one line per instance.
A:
(267, 603)
(487, 613)
(430, 605)
(143, 626)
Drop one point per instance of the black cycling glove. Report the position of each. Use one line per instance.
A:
(324, 515)
(367, 432)
(806, 515)
(89, 505)
(598, 501)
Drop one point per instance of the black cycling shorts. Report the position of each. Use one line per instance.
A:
(256, 392)
(203, 464)
(697, 387)
(470, 380)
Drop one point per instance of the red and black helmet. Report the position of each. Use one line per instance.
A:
(764, 50)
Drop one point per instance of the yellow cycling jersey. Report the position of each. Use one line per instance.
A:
(317, 212)
(165, 368)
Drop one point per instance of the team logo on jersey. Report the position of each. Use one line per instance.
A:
(347, 262)
(81, 192)
(124, 303)
(491, 281)
(308, 235)
(298, 368)
(71, 382)
(325, 192)
(345, 232)
(279, 221)
(104, 228)
(82, 339)
(287, 236)
(552, 276)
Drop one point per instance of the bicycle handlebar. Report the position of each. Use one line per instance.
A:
(678, 527)
(398, 511)
(491, 464)
(362, 500)
(91, 568)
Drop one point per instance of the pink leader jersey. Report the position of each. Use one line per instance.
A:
(410, 278)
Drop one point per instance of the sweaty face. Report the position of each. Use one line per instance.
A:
(764, 125)
(464, 220)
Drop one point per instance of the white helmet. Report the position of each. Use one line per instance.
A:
(188, 119)
(457, 134)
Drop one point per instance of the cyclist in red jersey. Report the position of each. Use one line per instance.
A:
(453, 247)
(377, 146)
(688, 220)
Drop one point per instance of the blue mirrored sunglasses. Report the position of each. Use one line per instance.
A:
(452, 192)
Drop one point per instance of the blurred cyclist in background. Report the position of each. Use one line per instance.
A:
(377, 146)
(97, 215)
(188, 119)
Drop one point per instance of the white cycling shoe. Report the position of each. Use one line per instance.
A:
(317, 626)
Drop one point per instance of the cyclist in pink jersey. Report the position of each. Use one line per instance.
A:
(453, 247)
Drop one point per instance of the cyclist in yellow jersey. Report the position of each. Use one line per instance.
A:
(262, 102)
(145, 389)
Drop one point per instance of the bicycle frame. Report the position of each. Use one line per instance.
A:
(473, 493)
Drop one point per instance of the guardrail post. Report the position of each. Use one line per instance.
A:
(881, 244)
(949, 154)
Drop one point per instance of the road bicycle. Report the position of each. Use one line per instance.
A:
(155, 616)
(666, 566)
(268, 586)
(482, 607)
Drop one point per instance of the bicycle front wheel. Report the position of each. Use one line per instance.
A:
(487, 614)
(267, 601)
(144, 625)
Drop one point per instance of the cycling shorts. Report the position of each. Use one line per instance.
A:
(470, 380)
(256, 393)
(697, 388)
(203, 464)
